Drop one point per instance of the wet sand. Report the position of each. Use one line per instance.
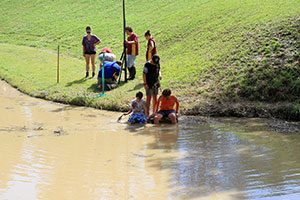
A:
(55, 151)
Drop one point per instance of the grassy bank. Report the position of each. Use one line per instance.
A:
(208, 50)
(34, 72)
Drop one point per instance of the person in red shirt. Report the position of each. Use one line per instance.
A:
(132, 51)
(151, 46)
(167, 107)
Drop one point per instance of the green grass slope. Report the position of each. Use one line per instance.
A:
(196, 40)
(267, 63)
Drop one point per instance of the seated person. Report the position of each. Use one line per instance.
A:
(109, 56)
(111, 73)
(167, 107)
(138, 106)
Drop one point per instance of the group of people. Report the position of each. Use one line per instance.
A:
(151, 76)
(163, 109)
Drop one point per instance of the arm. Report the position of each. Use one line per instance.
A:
(97, 43)
(145, 82)
(177, 105)
(134, 41)
(157, 105)
(115, 77)
(117, 72)
(128, 112)
(151, 45)
(83, 44)
(131, 42)
(160, 77)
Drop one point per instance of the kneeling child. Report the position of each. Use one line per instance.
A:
(138, 108)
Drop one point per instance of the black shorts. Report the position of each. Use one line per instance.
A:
(165, 113)
(90, 52)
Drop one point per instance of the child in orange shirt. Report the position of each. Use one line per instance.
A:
(167, 107)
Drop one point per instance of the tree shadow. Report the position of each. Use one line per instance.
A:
(79, 81)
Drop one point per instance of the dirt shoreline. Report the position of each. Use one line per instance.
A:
(280, 110)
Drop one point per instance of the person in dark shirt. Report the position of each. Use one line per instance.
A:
(152, 77)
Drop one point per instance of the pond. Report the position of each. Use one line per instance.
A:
(55, 151)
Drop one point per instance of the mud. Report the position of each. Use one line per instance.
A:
(55, 151)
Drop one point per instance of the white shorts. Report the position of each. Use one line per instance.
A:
(130, 60)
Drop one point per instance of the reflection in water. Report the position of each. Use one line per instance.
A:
(53, 151)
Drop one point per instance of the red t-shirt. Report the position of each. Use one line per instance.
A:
(133, 49)
(149, 53)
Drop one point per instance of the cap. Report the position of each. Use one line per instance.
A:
(106, 50)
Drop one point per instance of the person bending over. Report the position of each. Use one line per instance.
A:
(111, 73)
(108, 56)
(167, 107)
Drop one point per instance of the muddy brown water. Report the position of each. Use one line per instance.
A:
(55, 151)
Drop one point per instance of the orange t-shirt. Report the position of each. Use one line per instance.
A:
(167, 104)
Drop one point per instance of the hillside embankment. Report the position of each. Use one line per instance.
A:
(221, 58)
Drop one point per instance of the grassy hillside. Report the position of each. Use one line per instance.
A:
(195, 40)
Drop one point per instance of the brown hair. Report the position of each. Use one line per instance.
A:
(119, 62)
(147, 33)
(166, 92)
(128, 28)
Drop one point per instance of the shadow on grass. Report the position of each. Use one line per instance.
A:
(79, 81)
(93, 88)
(137, 87)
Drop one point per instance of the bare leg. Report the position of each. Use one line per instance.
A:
(172, 116)
(157, 118)
(148, 100)
(87, 62)
(93, 62)
(154, 102)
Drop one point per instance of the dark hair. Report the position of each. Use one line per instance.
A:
(155, 59)
(139, 95)
(166, 92)
(119, 62)
(88, 28)
(128, 28)
(147, 33)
